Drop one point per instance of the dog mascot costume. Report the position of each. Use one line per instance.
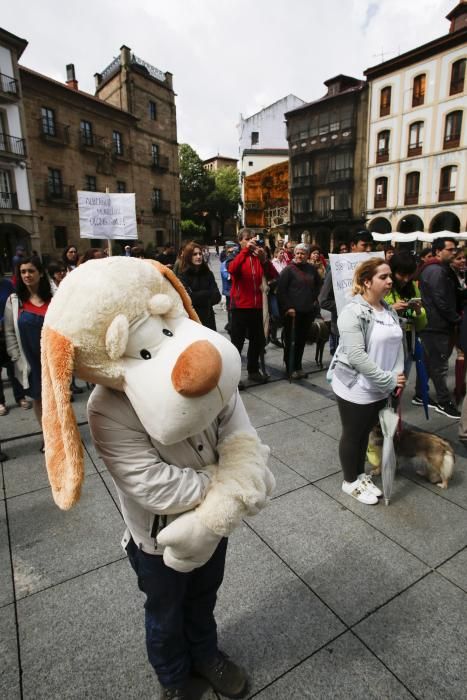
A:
(169, 424)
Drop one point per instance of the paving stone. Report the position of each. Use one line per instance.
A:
(268, 619)
(25, 471)
(343, 559)
(6, 584)
(9, 671)
(50, 545)
(326, 420)
(421, 636)
(311, 454)
(295, 398)
(345, 669)
(261, 412)
(286, 478)
(97, 461)
(85, 639)
(456, 569)
(429, 526)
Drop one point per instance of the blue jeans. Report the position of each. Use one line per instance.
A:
(179, 612)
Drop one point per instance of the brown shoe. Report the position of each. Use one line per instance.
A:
(25, 404)
(224, 675)
(3, 409)
(192, 689)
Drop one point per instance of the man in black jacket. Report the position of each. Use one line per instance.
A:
(438, 290)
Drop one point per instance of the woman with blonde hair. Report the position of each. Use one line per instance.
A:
(366, 368)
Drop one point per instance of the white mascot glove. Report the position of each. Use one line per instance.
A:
(188, 543)
(241, 485)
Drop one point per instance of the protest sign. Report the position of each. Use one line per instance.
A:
(342, 269)
(107, 216)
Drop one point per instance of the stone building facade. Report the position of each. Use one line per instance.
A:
(18, 220)
(327, 156)
(124, 138)
(417, 155)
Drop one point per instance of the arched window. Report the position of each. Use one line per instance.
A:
(415, 139)
(457, 77)
(382, 146)
(447, 183)
(385, 101)
(418, 92)
(412, 186)
(381, 192)
(452, 129)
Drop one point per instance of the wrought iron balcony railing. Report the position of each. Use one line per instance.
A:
(53, 132)
(160, 164)
(8, 87)
(8, 200)
(160, 206)
(58, 192)
(12, 146)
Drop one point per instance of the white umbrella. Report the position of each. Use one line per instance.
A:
(388, 420)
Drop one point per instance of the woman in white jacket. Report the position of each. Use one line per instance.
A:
(367, 367)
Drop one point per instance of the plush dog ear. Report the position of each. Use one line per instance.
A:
(64, 456)
(116, 338)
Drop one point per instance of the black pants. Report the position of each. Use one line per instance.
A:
(302, 326)
(248, 322)
(437, 349)
(358, 420)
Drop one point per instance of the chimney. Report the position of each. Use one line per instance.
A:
(70, 77)
(458, 17)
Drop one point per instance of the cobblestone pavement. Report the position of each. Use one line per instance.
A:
(323, 597)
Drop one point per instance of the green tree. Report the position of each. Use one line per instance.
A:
(196, 184)
(192, 231)
(223, 201)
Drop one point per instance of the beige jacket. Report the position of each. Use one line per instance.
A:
(13, 341)
(156, 482)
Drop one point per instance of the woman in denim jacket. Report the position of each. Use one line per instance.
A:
(367, 367)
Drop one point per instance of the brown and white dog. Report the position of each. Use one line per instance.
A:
(432, 456)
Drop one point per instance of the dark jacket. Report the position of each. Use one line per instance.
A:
(298, 288)
(246, 272)
(438, 291)
(204, 293)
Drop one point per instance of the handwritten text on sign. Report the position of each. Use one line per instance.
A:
(107, 216)
(342, 269)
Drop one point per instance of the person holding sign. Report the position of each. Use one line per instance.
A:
(366, 368)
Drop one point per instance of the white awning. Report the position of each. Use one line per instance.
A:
(397, 237)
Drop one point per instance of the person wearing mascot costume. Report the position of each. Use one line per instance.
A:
(167, 420)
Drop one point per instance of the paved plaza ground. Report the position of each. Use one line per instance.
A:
(323, 597)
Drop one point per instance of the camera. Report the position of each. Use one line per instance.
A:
(260, 241)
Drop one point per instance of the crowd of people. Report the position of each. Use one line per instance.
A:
(274, 296)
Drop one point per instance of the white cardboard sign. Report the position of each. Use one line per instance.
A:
(342, 268)
(107, 216)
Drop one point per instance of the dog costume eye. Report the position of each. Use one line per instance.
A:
(167, 332)
(145, 354)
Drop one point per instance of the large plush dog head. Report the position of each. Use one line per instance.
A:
(128, 324)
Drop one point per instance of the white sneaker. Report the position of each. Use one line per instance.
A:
(366, 478)
(360, 491)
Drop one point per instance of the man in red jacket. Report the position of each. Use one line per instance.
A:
(246, 299)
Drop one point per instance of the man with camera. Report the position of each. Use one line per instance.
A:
(246, 270)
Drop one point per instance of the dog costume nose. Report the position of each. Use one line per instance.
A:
(197, 370)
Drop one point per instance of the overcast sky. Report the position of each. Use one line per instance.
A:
(227, 56)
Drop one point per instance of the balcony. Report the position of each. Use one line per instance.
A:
(8, 200)
(414, 150)
(302, 181)
(381, 201)
(12, 147)
(161, 206)
(451, 141)
(160, 164)
(382, 156)
(92, 142)
(56, 193)
(332, 176)
(411, 198)
(446, 195)
(53, 133)
(253, 206)
(329, 215)
(9, 89)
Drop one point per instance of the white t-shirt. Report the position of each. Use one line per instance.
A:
(383, 348)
